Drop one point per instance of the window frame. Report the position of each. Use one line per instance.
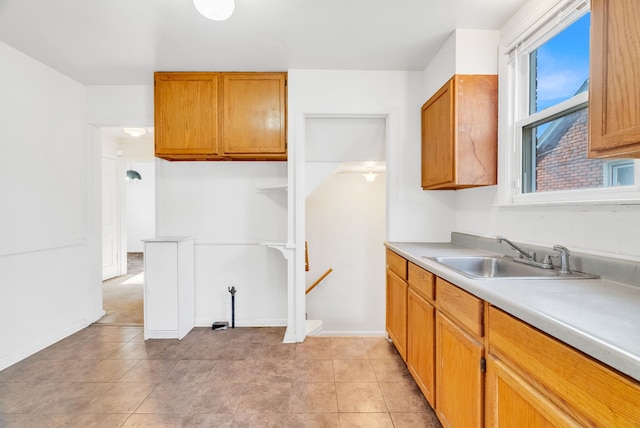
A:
(535, 30)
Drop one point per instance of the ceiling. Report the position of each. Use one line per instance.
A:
(122, 42)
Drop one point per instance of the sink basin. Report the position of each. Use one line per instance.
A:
(494, 267)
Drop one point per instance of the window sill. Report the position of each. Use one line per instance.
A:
(582, 197)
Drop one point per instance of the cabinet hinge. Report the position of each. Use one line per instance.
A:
(483, 365)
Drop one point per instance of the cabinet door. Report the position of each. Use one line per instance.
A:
(512, 402)
(186, 115)
(161, 288)
(588, 390)
(438, 169)
(421, 343)
(254, 114)
(397, 312)
(458, 375)
(614, 98)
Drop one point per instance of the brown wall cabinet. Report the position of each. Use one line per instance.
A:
(186, 115)
(614, 82)
(220, 116)
(460, 134)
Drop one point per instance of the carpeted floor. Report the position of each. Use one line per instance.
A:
(122, 295)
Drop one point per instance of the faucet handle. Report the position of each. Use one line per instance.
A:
(564, 257)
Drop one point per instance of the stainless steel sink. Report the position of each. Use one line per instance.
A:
(494, 267)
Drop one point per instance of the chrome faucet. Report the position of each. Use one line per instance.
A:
(564, 258)
(526, 257)
(531, 256)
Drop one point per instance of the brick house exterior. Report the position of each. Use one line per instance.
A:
(561, 161)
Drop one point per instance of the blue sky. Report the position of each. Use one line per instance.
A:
(563, 64)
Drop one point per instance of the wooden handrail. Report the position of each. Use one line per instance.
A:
(312, 286)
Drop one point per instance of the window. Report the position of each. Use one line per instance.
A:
(548, 81)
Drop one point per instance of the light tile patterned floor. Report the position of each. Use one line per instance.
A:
(108, 376)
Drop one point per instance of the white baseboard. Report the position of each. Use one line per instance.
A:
(267, 322)
(38, 345)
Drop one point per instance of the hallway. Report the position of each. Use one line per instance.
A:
(123, 295)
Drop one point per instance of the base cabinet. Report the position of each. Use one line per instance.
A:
(458, 375)
(479, 366)
(570, 382)
(397, 312)
(421, 340)
(169, 304)
(511, 401)
(421, 343)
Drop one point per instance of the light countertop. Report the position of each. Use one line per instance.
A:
(599, 317)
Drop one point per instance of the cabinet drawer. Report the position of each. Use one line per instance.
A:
(397, 264)
(460, 305)
(596, 394)
(421, 281)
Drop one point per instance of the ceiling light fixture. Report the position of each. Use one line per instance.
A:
(135, 132)
(217, 10)
(370, 176)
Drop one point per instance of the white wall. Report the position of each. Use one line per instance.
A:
(140, 205)
(464, 52)
(607, 230)
(219, 204)
(46, 256)
(345, 225)
(120, 105)
(413, 215)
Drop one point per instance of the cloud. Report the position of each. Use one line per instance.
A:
(559, 84)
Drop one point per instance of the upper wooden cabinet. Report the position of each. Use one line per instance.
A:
(186, 115)
(460, 134)
(254, 114)
(614, 86)
(220, 116)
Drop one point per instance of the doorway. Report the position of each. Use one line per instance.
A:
(128, 216)
(344, 220)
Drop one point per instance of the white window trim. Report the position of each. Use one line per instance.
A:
(534, 29)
